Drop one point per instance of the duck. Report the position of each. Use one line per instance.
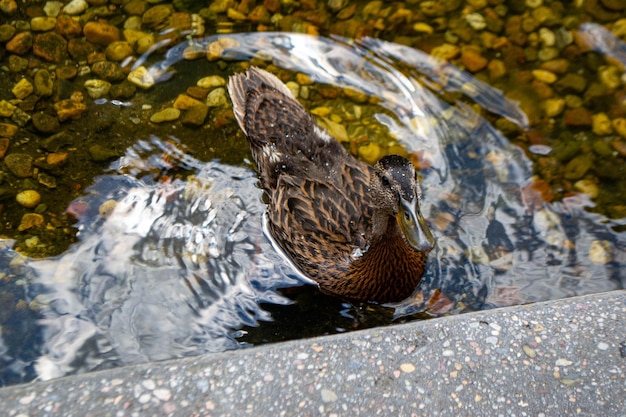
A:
(356, 230)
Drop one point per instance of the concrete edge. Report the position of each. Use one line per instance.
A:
(564, 357)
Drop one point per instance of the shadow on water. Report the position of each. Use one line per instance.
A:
(172, 259)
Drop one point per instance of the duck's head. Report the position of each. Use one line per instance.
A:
(396, 190)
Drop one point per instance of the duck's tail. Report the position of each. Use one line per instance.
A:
(280, 132)
(250, 89)
(283, 137)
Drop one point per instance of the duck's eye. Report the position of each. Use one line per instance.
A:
(385, 180)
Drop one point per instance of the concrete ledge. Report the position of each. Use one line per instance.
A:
(558, 358)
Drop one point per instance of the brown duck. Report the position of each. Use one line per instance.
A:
(356, 230)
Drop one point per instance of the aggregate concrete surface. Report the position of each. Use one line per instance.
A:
(559, 358)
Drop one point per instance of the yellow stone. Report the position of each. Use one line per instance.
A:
(184, 102)
(56, 158)
(145, 43)
(168, 114)
(446, 51)
(321, 111)
(553, 106)
(422, 27)
(496, 69)
(69, 109)
(336, 130)
(30, 220)
(6, 109)
(294, 87)
(22, 89)
(31, 242)
(544, 76)
(530, 352)
(141, 77)
(355, 95)
(601, 124)
(28, 198)
(214, 51)
(588, 187)
(132, 35)
(211, 81)
(8, 130)
(235, 15)
(303, 79)
(118, 51)
(370, 153)
(43, 23)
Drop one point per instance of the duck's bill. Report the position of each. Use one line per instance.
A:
(414, 227)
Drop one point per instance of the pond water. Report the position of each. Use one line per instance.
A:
(172, 258)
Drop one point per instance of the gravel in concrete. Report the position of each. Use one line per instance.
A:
(560, 358)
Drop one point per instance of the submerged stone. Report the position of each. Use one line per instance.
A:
(118, 51)
(578, 167)
(20, 164)
(108, 71)
(6, 109)
(20, 44)
(75, 7)
(55, 142)
(141, 77)
(30, 220)
(100, 153)
(50, 46)
(22, 89)
(6, 32)
(44, 84)
(601, 124)
(8, 130)
(166, 115)
(97, 88)
(69, 109)
(579, 117)
(67, 27)
(217, 98)
(195, 115)
(122, 90)
(101, 33)
(571, 83)
(42, 24)
(28, 198)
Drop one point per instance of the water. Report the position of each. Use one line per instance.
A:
(172, 259)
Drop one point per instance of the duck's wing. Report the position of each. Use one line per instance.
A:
(323, 220)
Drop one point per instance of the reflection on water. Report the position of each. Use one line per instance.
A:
(164, 268)
(172, 259)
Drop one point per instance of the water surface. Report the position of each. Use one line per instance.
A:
(172, 259)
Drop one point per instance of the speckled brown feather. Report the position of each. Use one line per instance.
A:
(320, 205)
